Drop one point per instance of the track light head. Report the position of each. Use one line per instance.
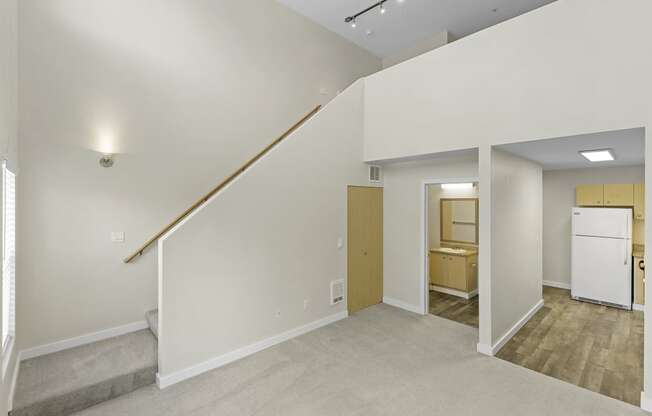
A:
(351, 19)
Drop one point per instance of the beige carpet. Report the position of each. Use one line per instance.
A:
(382, 361)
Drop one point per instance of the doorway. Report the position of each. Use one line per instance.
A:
(451, 242)
(589, 330)
(365, 247)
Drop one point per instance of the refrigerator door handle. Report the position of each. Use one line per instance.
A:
(626, 251)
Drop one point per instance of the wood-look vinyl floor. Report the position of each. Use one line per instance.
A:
(592, 346)
(454, 308)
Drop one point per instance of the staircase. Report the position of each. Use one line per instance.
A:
(68, 381)
(152, 321)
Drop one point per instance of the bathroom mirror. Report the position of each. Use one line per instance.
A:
(459, 220)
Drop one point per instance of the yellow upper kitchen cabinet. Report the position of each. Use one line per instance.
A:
(619, 195)
(639, 201)
(589, 195)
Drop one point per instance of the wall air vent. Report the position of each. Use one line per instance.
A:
(337, 291)
(374, 174)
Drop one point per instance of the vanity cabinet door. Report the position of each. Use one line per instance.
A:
(457, 273)
(438, 269)
(472, 273)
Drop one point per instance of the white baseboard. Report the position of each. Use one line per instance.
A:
(646, 403)
(458, 293)
(12, 387)
(638, 307)
(6, 356)
(485, 349)
(560, 285)
(213, 363)
(82, 340)
(402, 305)
(513, 330)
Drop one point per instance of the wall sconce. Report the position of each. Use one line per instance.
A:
(106, 161)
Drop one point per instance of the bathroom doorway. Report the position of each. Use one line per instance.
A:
(451, 244)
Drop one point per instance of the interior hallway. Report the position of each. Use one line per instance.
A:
(592, 346)
(381, 361)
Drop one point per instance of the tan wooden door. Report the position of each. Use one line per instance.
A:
(365, 247)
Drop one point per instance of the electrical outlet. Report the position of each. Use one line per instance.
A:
(306, 303)
(278, 313)
(117, 236)
(340, 243)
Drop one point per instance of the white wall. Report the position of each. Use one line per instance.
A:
(185, 92)
(424, 45)
(435, 194)
(520, 81)
(8, 143)
(517, 81)
(403, 229)
(558, 198)
(265, 244)
(516, 250)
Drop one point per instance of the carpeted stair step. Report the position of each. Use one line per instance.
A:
(68, 381)
(152, 320)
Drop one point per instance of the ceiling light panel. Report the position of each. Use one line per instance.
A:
(600, 155)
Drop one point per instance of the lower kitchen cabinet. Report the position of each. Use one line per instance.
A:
(639, 282)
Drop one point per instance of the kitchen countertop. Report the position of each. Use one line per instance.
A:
(445, 250)
(638, 250)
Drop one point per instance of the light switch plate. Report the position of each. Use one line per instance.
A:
(340, 243)
(117, 236)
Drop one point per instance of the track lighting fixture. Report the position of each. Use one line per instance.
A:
(352, 19)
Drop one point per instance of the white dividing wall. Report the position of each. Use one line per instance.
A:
(402, 226)
(558, 198)
(238, 271)
(516, 203)
(517, 81)
(8, 147)
(184, 92)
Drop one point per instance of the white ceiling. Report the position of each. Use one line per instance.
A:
(408, 21)
(563, 153)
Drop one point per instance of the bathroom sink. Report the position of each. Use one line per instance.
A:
(453, 250)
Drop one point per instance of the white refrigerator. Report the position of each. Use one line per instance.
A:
(601, 259)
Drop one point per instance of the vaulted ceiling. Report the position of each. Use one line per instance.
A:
(408, 21)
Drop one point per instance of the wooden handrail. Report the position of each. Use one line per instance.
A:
(222, 184)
